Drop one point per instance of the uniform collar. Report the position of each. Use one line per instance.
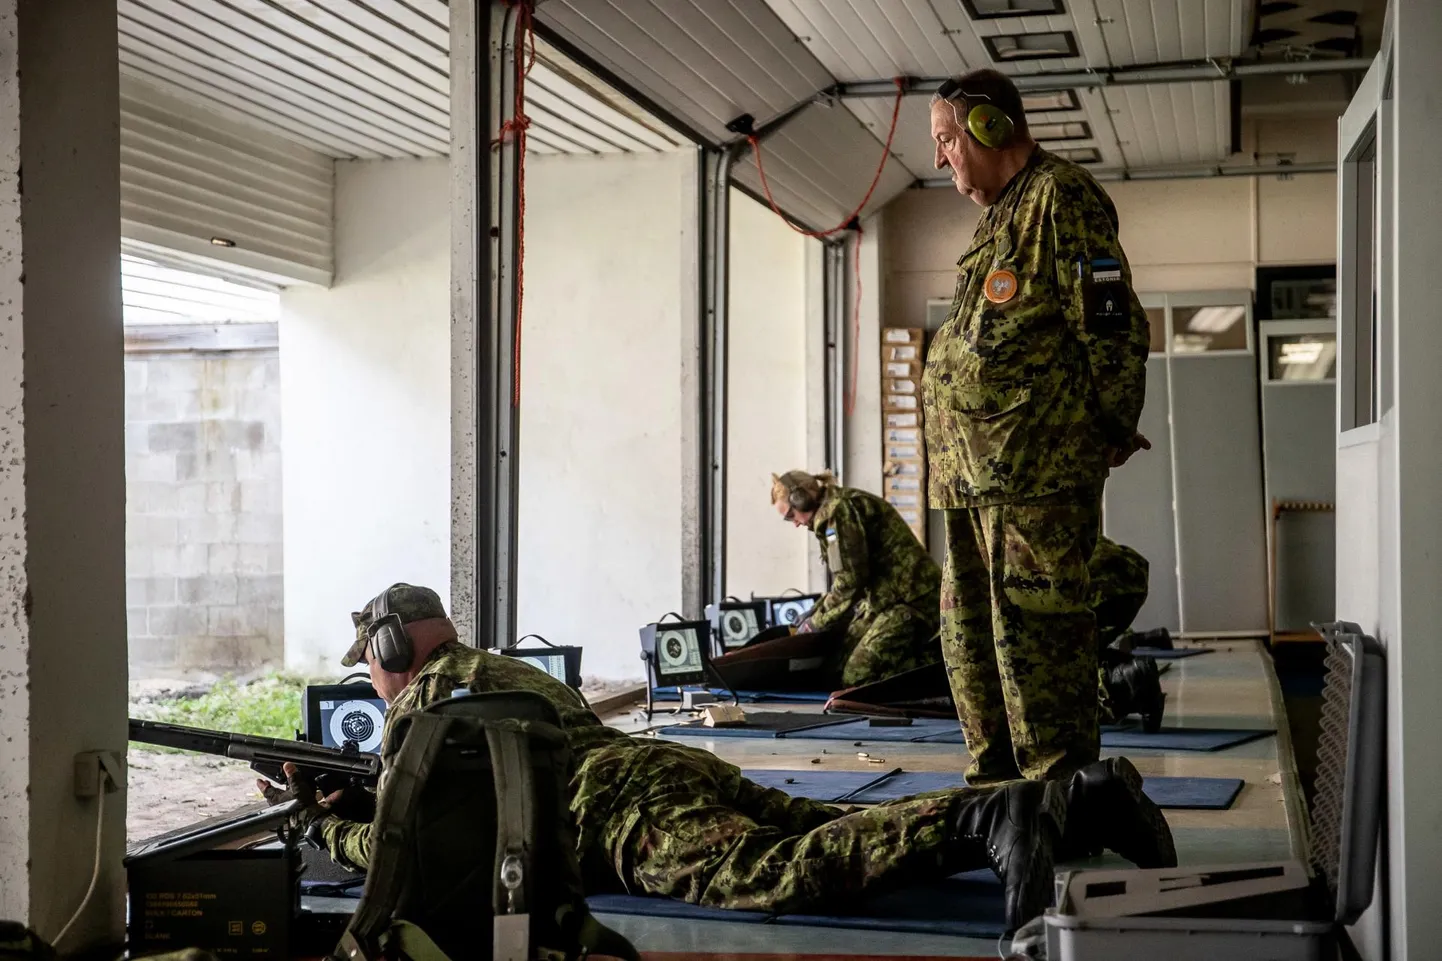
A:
(827, 508)
(997, 217)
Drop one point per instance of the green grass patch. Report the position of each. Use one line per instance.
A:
(267, 707)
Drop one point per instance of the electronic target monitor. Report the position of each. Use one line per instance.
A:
(338, 713)
(789, 610)
(735, 623)
(675, 652)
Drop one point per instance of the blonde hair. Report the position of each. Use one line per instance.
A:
(812, 486)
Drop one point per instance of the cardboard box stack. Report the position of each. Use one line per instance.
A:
(903, 452)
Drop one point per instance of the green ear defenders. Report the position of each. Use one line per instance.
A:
(986, 122)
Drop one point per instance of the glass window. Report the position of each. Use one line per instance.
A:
(1157, 321)
(1302, 357)
(1358, 315)
(1199, 330)
(1012, 47)
(1304, 299)
(1051, 100)
(991, 9)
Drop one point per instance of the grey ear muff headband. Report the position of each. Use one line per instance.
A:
(390, 644)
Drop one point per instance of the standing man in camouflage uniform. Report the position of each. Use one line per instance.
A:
(1031, 393)
(885, 588)
(654, 817)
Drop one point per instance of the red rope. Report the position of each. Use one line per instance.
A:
(516, 128)
(846, 222)
(855, 326)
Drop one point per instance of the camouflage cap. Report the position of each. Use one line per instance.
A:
(409, 602)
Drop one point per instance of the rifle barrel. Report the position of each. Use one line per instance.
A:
(258, 750)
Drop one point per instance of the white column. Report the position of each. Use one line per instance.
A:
(62, 470)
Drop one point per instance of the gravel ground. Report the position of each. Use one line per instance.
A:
(168, 791)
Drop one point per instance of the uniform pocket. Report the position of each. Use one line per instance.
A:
(977, 434)
(985, 402)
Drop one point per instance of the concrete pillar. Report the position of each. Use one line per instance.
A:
(62, 470)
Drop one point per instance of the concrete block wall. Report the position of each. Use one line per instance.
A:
(203, 510)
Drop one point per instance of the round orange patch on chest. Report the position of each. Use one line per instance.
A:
(1000, 286)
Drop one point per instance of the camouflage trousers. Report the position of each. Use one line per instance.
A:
(1119, 585)
(1019, 635)
(685, 824)
(883, 643)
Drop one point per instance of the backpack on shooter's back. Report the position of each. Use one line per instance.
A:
(473, 847)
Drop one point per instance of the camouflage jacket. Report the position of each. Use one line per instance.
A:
(874, 559)
(454, 666)
(1117, 571)
(1041, 364)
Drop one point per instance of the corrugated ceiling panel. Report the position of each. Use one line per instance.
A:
(704, 61)
(154, 292)
(1173, 123)
(356, 78)
(875, 39)
(825, 159)
(187, 177)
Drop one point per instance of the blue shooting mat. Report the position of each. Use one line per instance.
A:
(759, 724)
(920, 728)
(1134, 738)
(938, 731)
(1181, 738)
(861, 787)
(1193, 793)
(1169, 654)
(965, 905)
(750, 697)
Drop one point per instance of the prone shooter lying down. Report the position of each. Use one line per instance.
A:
(659, 818)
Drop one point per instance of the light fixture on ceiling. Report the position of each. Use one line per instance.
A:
(1069, 130)
(1215, 320)
(1301, 353)
(1050, 101)
(222, 242)
(1014, 47)
(1079, 155)
(992, 9)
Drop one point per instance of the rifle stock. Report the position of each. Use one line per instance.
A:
(266, 755)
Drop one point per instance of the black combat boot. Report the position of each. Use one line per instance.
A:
(1159, 638)
(1135, 687)
(1017, 828)
(1106, 809)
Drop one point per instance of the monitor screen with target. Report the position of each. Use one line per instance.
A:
(562, 663)
(337, 713)
(791, 610)
(676, 651)
(735, 623)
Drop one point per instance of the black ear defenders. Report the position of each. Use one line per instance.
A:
(800, 499)
(797, 496)
(390, 644)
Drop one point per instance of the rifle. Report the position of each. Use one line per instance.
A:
(266, 755)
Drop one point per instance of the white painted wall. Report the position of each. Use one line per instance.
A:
(600, 487)
(767, 427)
(365, 394)
(1388, 513)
